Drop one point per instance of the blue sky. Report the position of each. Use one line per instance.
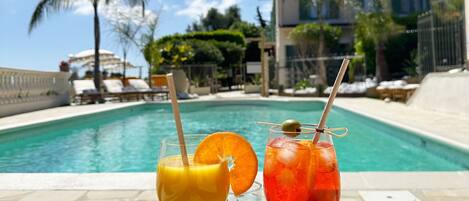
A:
(71, 31)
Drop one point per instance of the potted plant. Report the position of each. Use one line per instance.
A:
(254, 86)
(64, 66)
(200, 86)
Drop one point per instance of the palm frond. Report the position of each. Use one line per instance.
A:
(47, 7)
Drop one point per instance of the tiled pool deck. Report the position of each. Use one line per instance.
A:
(356, 186)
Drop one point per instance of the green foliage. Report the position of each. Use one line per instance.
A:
(257, 79)
(449, 9)
(176, 53)
(204, 53)
(355, 64)
(215, 20)
(410, 65)
(225, 54)
(366, 48)
(399, 47)
(233, 54)
(249, 30)
(218, 35)
(260, 19)
(302, 84)
(377, 27)
(310, 33)
(152, 55)
(306, 37)
(373, 30)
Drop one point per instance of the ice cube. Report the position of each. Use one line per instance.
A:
(287, 155)
(327, 160)
(277, 142)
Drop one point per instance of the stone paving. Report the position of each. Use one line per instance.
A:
(150, 195)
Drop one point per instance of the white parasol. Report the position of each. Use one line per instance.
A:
(110, 64)
(88, 55)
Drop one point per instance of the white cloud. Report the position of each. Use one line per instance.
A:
(83, 7)
(115, 11)
(197, 8)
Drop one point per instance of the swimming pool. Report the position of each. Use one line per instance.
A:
(128, 139)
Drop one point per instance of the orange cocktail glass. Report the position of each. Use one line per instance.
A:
(295, 169)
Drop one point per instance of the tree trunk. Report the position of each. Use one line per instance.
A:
(322, 65)
(97, 38)
(382, 70)
(149, 74)
(125, 64)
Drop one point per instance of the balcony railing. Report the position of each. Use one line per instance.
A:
(26, 90)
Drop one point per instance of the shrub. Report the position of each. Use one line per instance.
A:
(249, 30)
(176, 53)
(205, 52)
(232, 53)
(219, 35)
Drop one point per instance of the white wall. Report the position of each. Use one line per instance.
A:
(443, 92)
(26, 90)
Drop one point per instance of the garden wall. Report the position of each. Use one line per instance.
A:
(26, 90)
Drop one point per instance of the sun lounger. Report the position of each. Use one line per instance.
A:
(141, 86)
(116, 89)
(85, 91)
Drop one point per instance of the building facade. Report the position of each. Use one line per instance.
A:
(287, 14)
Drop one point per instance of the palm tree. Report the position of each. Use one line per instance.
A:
(46, 7)
(377, 27)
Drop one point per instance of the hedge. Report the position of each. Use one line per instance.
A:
(218, 35)
(232, 53)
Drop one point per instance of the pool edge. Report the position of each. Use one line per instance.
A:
(419, 132)
(146, 181)
(45, 121)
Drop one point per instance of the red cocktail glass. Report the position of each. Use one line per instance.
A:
(296, 169)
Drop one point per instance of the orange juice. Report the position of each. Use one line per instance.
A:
(194, 183)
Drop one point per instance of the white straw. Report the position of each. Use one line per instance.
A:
(177, 118)
(330, 101)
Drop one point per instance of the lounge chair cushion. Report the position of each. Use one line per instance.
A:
(80, 86)
(139, 84)
(113, 86)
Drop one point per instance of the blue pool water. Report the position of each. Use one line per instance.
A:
(128, 140)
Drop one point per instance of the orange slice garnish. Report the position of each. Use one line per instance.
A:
(230, 146)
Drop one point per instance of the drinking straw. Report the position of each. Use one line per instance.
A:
(177, 118)
(328, 106)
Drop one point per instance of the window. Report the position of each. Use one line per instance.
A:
(309, 10)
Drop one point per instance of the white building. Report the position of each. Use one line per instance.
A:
(290, 13)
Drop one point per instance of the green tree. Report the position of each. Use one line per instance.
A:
(47, 7)
(215, 20)
(176, 53)
(152, 54)
(377, 27)
(449, 9)
(125, 32)
(308, 37)
(204, 52)
(260, 19)
(139, 32)
(233, 53)
(249, 30)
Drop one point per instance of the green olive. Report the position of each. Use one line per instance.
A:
(291, 127)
